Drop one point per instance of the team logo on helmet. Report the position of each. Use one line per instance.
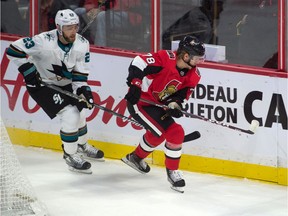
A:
(192, 45)
(65, 17)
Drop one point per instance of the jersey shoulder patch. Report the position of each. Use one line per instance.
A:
(171, 54)
(49, 36)
(82, 39)
(81, 44)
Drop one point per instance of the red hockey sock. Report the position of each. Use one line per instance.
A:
(147, 144)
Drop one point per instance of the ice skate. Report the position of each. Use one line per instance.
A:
(77, 164)
(90, 152)
(136, 163)
(176, 179)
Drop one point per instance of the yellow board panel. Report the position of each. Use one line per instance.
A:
(188, 162)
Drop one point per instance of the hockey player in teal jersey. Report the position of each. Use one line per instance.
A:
(60, 57)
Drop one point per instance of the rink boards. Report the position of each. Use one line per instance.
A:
(229, 97)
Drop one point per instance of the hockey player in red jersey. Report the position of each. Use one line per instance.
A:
(167, 78)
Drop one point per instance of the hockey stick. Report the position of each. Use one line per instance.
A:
(189, 137)
(254, 123)
(81, 99)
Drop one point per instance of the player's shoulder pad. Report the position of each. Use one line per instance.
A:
(49, 35)
(82, 40)
(167, 54)
(81, 43)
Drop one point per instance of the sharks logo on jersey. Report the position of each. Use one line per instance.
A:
(61, 72)
(82, 39)
(49, 37)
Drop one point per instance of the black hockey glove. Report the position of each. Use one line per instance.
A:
(175, 108)
(134, 92)
(85, 92)
(31, 75)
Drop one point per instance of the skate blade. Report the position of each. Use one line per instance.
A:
(87, 171)
(94, 159)
(124, 159)
(91, 158)
(178, 189)
(97, 159)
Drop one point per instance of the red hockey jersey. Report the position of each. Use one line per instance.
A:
(161, 78)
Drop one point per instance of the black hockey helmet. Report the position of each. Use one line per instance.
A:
(192, 45)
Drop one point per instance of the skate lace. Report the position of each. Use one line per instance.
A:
(176, 175)
(90, 149)
(76, 159)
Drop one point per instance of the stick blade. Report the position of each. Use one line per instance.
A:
(192, 136)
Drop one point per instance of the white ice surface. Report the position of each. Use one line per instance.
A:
(118, 190)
